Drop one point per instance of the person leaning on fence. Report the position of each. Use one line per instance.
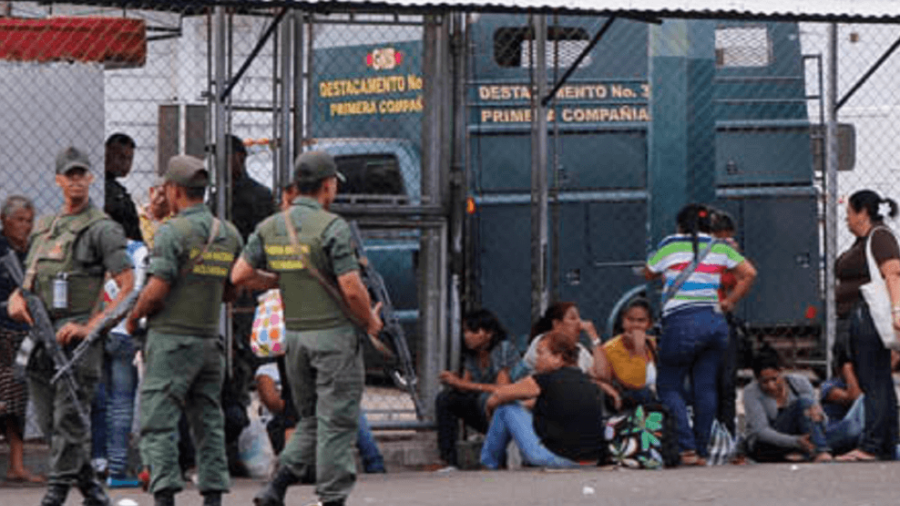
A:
(184, 358)
(307, 253)
(866, 211)
(77, 246)
(566, 427)
(627, 362)
(784, 421)
(488, 356)
(17, 215)
(694, 333)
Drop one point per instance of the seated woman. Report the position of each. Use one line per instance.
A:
(566, 427)
(627, 361)
(843, 401)
(488, 357)
(562, 317)
(784, 421)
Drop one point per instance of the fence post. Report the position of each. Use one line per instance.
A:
(831, 196)
(539, 295)
(433, 265)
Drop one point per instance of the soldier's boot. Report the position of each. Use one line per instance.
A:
(212, 498)
(93, 492)
(273, 493)
(56, 495)
(164, 497)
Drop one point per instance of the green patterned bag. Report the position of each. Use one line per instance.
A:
(642, 438)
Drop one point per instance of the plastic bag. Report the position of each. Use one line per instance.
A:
(255, 449)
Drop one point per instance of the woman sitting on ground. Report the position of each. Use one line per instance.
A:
(784, 421)
(562, 317)
(487, 359)
(566, 427)
(627, 361)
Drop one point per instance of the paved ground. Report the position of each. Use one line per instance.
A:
(772, 484)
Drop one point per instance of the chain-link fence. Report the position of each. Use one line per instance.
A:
(726, 112)
(736, 121)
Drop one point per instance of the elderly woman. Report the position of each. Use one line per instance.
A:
(866, 211)
(17, 215)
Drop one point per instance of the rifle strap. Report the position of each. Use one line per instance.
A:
(329, 287)
(31, 272)
(197, 260)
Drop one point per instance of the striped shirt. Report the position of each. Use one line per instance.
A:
(675, 253)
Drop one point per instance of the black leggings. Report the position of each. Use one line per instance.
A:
(450, 406)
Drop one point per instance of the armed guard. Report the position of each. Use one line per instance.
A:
(306, 252)
(70, 254)
(184, 356)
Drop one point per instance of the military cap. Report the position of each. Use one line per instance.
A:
(314, 166)
(71, 158)
(186, 170)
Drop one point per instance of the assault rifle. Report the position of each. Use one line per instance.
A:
(42, 333)
(103, 326)
(402, 372)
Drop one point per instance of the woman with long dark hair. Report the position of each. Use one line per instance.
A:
(866, 211)
(694, 334)
(487, 359)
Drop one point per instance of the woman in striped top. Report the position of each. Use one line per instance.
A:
(695, 333)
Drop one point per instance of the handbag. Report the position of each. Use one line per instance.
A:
(876, 296)
(267, 334)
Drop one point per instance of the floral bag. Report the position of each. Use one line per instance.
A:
(267, 335)
(642, 438)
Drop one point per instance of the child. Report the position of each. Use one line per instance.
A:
(627, 361)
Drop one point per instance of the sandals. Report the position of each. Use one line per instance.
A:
(690, 458)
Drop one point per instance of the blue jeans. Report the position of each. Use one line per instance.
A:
(692, 344)
(846, 434)
(792, 420)
(371, 457)
(512, 421)
(872, 363)
(113, 407)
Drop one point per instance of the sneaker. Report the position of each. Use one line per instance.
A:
(123, 482)
(447, 469)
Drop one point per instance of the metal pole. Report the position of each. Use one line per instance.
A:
(432, 275)
(287, 85)
(831, 197)
(221, 158)
(458, 186)
(299, 83)
(539, 296)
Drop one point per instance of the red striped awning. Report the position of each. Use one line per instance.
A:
(85, 39)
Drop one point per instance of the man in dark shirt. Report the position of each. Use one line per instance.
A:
(118, 204)
(251, 202)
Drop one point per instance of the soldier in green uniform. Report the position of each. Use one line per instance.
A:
(306, 252)
(70, 254)
(184, 357)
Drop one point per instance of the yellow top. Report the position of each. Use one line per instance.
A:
(628, 369)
